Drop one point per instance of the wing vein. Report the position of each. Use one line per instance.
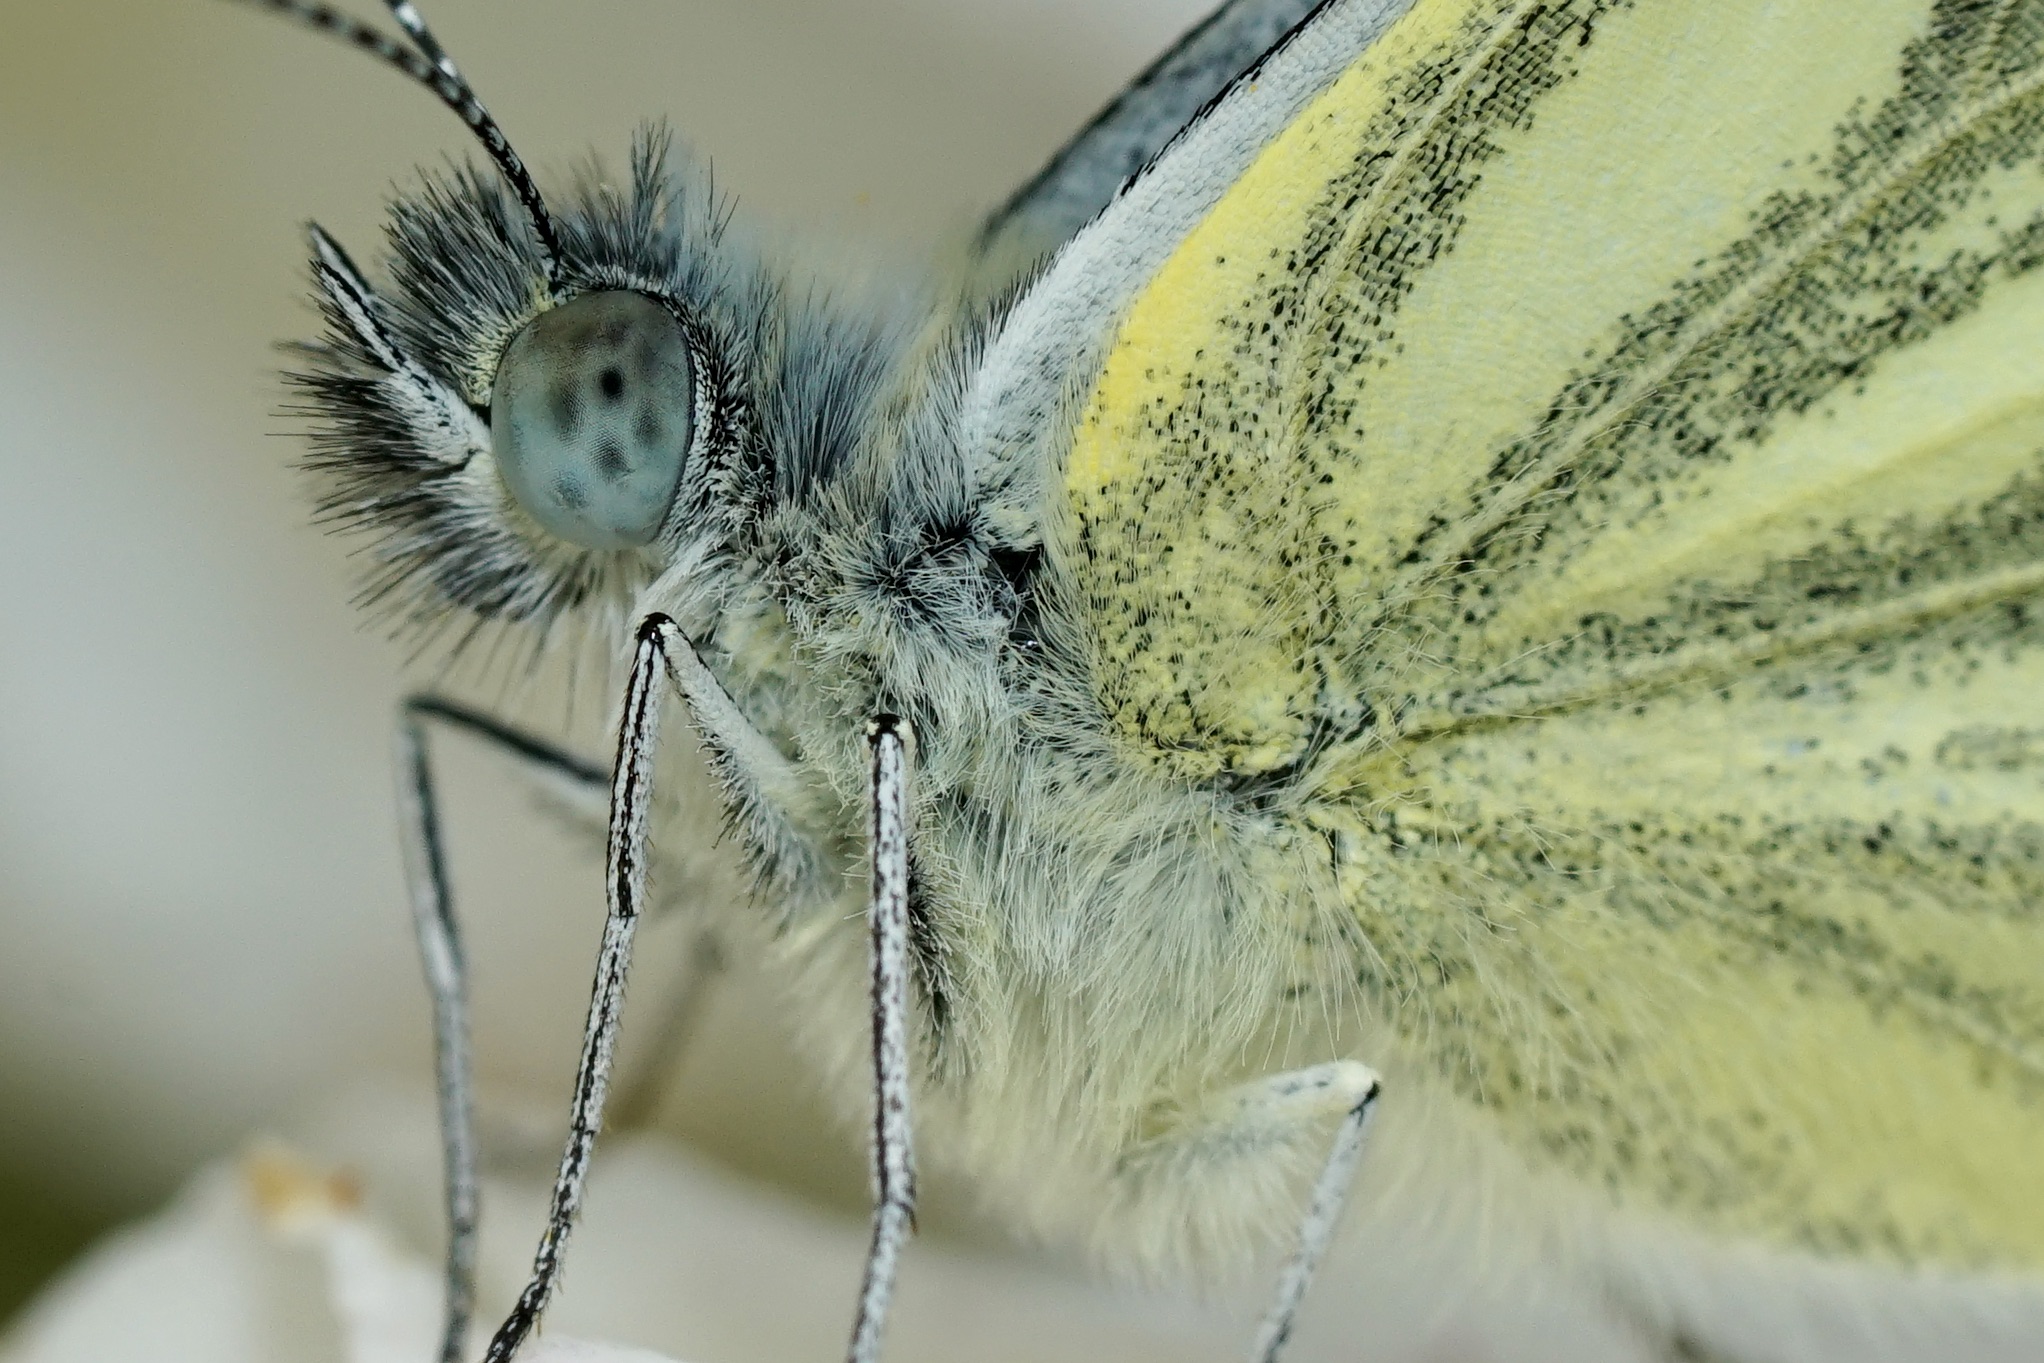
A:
(1663, 671)
(1314, 307)
(1514, 494)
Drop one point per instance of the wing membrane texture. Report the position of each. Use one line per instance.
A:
(1589, 472)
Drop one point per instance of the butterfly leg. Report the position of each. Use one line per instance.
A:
(1352, 1088)
(894, 1170)
(759, 781)
(446, 973)
(1231, 1146)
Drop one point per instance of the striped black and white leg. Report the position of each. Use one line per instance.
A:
(631, 805)
(894, 1165)
(758, 780)
(440, 952)
(1323, 1207)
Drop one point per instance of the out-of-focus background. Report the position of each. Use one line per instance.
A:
(202, 924)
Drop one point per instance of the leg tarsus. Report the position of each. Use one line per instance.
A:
(440, 953)
(1355, 1087)
(631, 795)
(894, 1173)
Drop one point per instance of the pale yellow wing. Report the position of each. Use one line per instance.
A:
(1589, 470)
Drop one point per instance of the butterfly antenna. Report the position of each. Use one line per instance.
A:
(428, 63)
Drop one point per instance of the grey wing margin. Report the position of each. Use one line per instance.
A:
(1124, 137)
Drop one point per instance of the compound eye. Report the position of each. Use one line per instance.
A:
(591, 417)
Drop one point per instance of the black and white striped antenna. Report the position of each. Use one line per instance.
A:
(426, 62)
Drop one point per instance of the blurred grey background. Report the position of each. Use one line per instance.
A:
(201, 918)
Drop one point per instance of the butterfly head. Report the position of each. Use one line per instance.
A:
(537, 411)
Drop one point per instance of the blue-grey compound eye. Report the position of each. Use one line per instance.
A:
(590, 418)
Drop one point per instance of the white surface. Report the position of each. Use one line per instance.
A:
(674, 1258)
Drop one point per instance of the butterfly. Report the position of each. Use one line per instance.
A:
(1466, 572)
